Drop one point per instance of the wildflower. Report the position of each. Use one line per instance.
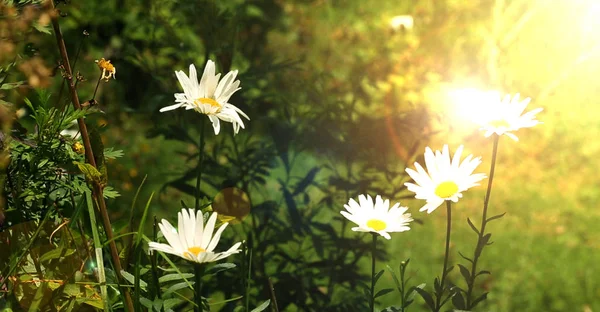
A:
(505, 116)
(194, 241)
(209, 96)
(108, 69)
(377, 217)
(445, 178)
(78, 147)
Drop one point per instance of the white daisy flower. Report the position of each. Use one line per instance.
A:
(505, 116)
(377, 217)
(194, 241)
(210, 96)
(445, 179)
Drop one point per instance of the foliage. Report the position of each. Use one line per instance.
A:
(340, 104)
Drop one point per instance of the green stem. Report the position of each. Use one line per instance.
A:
(374, 249)
(200, 159)
(248, 276)
(96, 89)
(198, 272)
(447, 253)
(97, 248)
(403, 284)
(489, 187)
(479, 246)
(153, 260)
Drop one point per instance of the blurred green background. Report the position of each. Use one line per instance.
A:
(347, 82)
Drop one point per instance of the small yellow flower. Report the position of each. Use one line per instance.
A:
(108, 69)
(78, 148)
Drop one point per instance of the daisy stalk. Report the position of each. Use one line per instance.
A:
(481, 240)
(439, 294)
(210, 97)
(373, 251)
(194, 241)
(503, 116)
(443, 180)
(200, 160)
(198, 267)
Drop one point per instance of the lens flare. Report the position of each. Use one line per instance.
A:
(470, 104)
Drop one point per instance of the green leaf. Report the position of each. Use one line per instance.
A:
(139, 237)
(437, 287)
(396, 280)
(174, 277)
(110, 153)
(427, 297)
(110, 192)
(478, 300)
(465, 272)
(42, 28)
(38, 298)
(90, 172)
(413, 292)
(464, 257)
(366, 288)
(458, 301)
(262, 306)
(296, 219)
(146, 303)
(56, 254)
(13, 85)
(178, 286)
(171, 302)
(473, 227)
(220, 267)
(131, 279)
(495, 217)
(383, 292)
(99, 304)
(42, 163)
(377, 276)
(306, 181)
(486, 239)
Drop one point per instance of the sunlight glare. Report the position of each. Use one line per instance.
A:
(469, 104)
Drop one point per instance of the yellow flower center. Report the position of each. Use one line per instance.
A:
(196, 250)
(499, 123)
(376, 224)
(446, 189)
(208, 101)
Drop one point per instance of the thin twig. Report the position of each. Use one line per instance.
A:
(274, 306)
